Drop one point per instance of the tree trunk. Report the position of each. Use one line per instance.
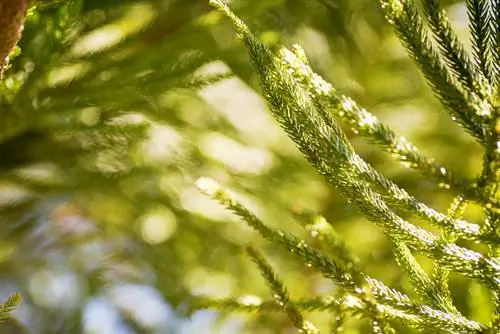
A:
(12, 16)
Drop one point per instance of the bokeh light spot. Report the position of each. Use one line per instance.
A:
(158, 226)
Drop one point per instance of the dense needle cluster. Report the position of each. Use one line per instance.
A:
(309, 110)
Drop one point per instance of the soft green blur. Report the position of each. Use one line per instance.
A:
(103, 231)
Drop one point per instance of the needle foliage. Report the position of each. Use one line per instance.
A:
(368, 183)
(310, 110)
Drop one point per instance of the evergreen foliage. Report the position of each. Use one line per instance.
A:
(9, 305)
(308, 109)
(77, 103)
(111, 110)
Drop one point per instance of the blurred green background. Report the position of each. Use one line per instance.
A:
(124, 104)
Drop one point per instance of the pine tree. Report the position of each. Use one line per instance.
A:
(309, 110)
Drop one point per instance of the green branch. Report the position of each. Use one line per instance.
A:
(452, 50)
(280, 293)
(481, 33)
(464, 108)
(367, 291)
(9, 305)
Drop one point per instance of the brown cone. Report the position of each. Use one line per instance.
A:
(12, 15)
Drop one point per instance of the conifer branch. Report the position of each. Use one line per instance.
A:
(464, 108)
(18, 101)
(421, 282)
(324, 96)
(315, 132)
(9, 305)
(452, 49)
(350, 160)
(326, 237)
(481, 36)
(489, 184)
(449, 255)
(339, 314)
(320, 261)
(280, 293)
(495, 12)
(319, 143)
(367, 124)
(253, 303)
(243, 304)
(429, 319)
(485, 29)
(391, 304)
(337, 273)
(426, 315)
(381, 326)
(441, 274)
(322, 231)
(491, 226)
